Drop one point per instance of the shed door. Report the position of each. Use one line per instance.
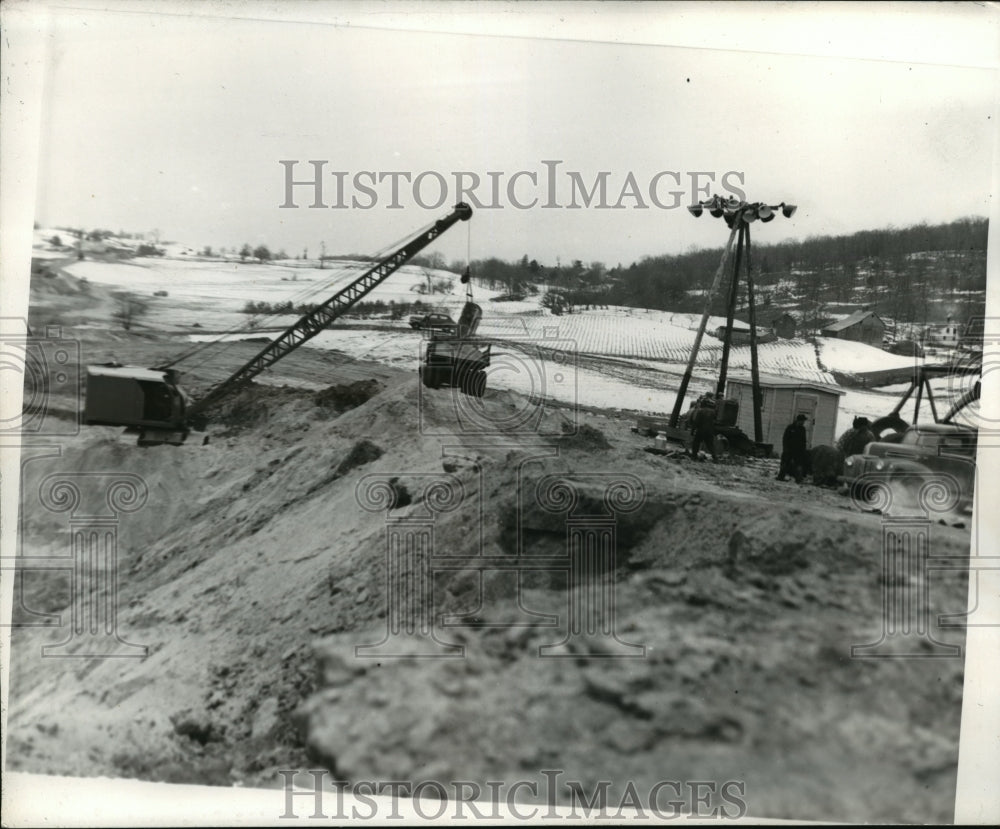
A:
(806, 404)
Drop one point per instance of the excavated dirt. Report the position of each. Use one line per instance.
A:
(259, 563)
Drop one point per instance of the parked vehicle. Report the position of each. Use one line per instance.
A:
(924, 449)
(433, 322)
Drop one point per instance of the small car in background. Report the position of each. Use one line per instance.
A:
(433, 322)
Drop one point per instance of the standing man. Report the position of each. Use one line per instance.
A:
(793, 450)
(703, 427)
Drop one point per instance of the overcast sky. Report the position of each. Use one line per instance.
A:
(178, 123)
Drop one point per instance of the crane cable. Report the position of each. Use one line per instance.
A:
(297, 298)
(251, 324)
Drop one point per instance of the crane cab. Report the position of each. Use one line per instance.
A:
(139, 398)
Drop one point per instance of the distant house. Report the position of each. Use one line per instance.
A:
(783, 326)
(779, 324)
(782, 398)
(861, 326)
(948, 334)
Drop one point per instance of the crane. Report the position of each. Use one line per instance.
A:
(150, 399)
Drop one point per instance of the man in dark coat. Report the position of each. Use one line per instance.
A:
(703, 427)
(794, 457)
(862, 435)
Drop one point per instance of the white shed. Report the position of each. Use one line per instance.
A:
(782, 399)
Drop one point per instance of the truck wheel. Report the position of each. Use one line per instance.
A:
(466, 382)
(478, 383)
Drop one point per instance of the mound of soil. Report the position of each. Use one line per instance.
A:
(258, 563)
(343, 397)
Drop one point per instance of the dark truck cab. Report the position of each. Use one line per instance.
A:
(924, 449)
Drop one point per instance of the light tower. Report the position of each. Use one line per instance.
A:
(738, 216)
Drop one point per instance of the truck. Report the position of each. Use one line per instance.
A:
(151, 400)
(456, 358)
(926, 450)
(457, 363)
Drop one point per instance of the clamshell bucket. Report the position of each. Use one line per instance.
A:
(468, 322)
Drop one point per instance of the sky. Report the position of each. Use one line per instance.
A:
(179, 122)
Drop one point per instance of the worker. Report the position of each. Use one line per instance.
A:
(848, 436)
(794, 457)
(855, 439)
(703, 427)
(863, 435)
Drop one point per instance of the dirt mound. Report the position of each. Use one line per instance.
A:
(727, 622)
(584, 437)
(340, 398)
(257, 406)
(285, 529)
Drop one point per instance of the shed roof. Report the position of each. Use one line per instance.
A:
(775, 381)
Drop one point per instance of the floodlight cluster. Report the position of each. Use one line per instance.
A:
(732, 209)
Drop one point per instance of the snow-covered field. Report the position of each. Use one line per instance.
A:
(852, 357)
(213, 293)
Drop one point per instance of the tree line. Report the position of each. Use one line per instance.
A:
(900, 272)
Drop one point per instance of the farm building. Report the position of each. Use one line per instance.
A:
(783, 326)
(782, 399)
(861, 326)
(776, 324)
(741, 334)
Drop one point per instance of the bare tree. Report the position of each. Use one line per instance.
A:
(128, 308)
